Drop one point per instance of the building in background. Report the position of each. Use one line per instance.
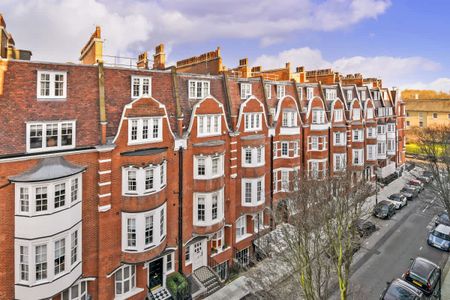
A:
(114, 176)
(424, 113)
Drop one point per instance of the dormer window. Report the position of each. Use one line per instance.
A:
(208, 125)
(144, 130)
(268, 90)
(281, 91)
(318, 116)
(289, 118)
(376, 95)
(338, 115)
(50, 136)
(309, 93)
(369, 113)
(363, 95)
(51, 85)
(141, 86)
(198, 89)
(356, 114)
(330, 94)
(246, 90)
(253, 121)
(349, 95)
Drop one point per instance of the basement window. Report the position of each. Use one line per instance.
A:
(51, 85)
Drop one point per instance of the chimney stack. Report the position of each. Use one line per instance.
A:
(92, 52)
(159, 58)
(243, 62)
(142, 62)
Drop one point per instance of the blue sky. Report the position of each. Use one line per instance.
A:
(405, 42)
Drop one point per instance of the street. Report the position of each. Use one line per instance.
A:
(386, 254)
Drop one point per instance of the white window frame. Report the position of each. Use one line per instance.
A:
(208, 160)
(246, 90)
(49, 242)
(254, 191)
(340, 138)
(43, 136)
(317, 143)
(253, 121)
(52, 75)
(30, 188)
(205, 86)
(159, 230)
(131, 279)
(309, 93)
(81, 287)
(281, 91)
(140, 86)
(208, 198)
(369, 113)
(289, 118)
(349, 95)
(372, 152)
(330, 94)
(358, 157)
(318, 116)
(314, 169)
(253, 157)
(258, 221)
(241, 228)
(140, 133)
(141, 189)
(363, 95)
(356, 114)
(338, 115)
(339, 161)
(268, 90)
(358, 135)
(209, 125)
(371, 132)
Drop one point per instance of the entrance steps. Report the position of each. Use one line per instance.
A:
(160, 294)
(208, 279)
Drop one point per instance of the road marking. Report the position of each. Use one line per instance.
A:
(426, 207)
(420, 249)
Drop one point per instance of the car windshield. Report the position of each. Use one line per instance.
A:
(406, 190)
(444, 216)
(441, 235)
(421, 270)
(396, 292)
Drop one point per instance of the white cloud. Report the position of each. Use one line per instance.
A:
(393, 70)
(440, 84)
(56, 30)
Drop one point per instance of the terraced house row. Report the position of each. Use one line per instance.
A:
(113, 177)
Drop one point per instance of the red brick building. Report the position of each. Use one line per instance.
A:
(111, 178)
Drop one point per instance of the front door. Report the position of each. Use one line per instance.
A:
(155, 274)
(199, 255)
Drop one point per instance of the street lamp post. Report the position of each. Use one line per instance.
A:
(376, 188)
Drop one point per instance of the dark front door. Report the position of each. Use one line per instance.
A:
(155, 274)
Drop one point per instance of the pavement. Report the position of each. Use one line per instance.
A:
(384, 255)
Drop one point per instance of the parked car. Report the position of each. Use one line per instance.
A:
(365, 227)
(399, 289)
(398, 198)
(410, 166)
(410, 192)
(428, 174)
(425, 275)
(417, 183)
(423, 179)
(384, 209)
(440, 237)
(442, 218)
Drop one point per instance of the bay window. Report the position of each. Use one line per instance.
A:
(143, 180)
(253, 156)
(144, 230)
(208, 208)
(253, 191)
(208, 167)
(371, 152)
(317, 143)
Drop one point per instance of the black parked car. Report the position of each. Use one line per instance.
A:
(384, 209)
(442, 218)
(410, 192)
(425, 275)
(399, 289)
(365, 227)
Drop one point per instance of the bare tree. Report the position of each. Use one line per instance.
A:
(347, 195)
(315, 246)
(434, 143)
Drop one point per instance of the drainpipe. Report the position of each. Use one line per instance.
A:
(271, 182)
(180, 210)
